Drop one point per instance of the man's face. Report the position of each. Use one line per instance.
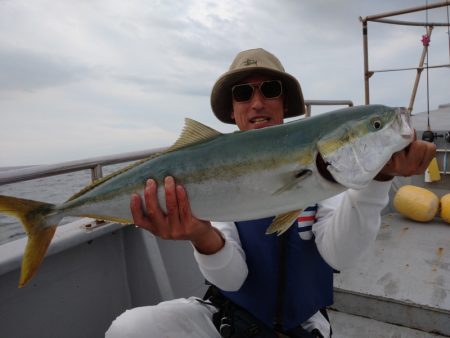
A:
(258, 111)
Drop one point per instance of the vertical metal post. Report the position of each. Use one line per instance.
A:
(96, 172)
(308, 110)
(419, 72)
(367, 75)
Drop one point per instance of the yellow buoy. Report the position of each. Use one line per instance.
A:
(418, 204)
(432, 173)
(445, 208)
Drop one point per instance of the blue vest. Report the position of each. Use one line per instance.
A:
(308, 279)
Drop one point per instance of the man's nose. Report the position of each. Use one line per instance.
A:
(257, 100)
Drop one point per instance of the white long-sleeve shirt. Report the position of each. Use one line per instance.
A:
(345, 226)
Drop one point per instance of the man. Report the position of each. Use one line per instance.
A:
(265, 286)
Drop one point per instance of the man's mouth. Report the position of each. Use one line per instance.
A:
(259, 120)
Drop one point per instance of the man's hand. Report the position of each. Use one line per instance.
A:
(413, 160)
(178, 223)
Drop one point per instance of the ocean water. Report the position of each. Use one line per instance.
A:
(53, 189)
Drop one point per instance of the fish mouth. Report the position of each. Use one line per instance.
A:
(322, 168)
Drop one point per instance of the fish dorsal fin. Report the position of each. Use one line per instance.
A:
(283, 222)
(193, 132)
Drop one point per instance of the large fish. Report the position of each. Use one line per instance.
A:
(238, 176)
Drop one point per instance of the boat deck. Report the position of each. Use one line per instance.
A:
(351, 326)
(403, 279)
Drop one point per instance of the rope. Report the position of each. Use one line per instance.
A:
(426, 43)
(428, 92)
(448, 30)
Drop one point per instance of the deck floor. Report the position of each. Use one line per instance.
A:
(409, 262)
(403, 279)
(351, 326)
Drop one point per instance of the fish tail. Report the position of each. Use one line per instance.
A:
(34, 217)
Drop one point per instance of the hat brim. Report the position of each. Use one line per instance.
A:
(221, 101)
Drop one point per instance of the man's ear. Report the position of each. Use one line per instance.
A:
(232, 114)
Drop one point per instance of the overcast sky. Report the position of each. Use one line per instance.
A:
(97, 77)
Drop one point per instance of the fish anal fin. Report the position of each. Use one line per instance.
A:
(37, 245)
(282, 222)
(107, 218)
(193, 132)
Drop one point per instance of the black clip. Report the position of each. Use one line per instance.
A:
(226, 327)
(447, 136)
(428, 136)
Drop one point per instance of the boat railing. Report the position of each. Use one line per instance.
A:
(446, 158)
(96, 164)
(310, 103)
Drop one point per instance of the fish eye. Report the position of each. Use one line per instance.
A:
(376, 124)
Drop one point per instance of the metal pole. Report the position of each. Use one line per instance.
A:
(96, 172)
(405, 11)
(367, 75)
(419, 72)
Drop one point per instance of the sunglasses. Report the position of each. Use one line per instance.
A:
(270, 89)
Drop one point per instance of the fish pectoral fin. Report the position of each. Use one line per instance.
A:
(298, 177)
(282, 222)
(193, 132)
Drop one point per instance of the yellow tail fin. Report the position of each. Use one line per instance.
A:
(33, 217)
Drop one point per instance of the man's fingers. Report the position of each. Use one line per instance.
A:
(137, 211)
(429, 152)
(184, 208)
(153, 210)
(177, 222)
(136, 207)
(171, 202)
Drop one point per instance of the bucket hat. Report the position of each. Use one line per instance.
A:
(245, 64)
